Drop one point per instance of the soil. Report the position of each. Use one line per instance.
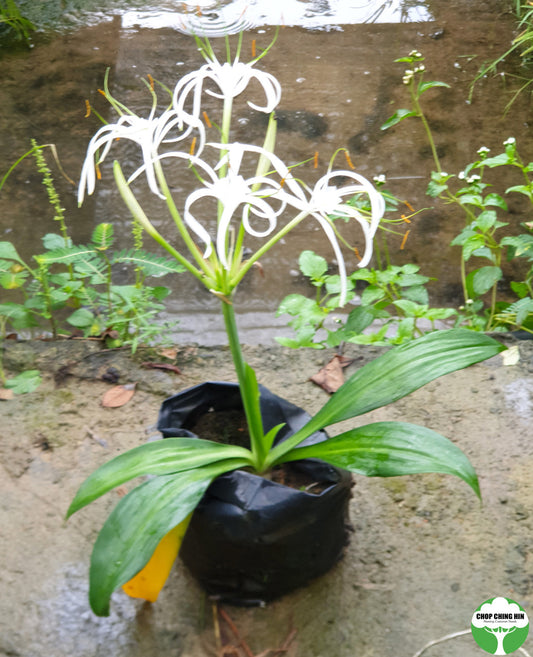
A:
(424, 553)
(229, 427)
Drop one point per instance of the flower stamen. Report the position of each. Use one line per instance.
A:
(87, 109)
(315, 160)
(206, 119)
(348, 159)
(404, 240)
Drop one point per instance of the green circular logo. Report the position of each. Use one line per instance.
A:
(500, 626)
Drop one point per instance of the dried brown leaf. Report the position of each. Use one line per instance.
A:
(170, 352)
(162, 366)
(6, 394)
(118, 395)
(330, 377)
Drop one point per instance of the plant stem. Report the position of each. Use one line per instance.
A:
(248, 387)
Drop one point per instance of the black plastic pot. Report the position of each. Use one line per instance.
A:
(251, 539)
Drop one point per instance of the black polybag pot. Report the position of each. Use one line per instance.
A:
(251, 539)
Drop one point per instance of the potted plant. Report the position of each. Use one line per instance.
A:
(143, 533)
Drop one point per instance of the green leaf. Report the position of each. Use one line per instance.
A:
(312, 265)
(522, 244)
(52, 241)
(398, 116)
(160, 457)
(151, 264)
(160, 292)
(486, 220)
(359, 319)
(102, 237)
(472, 244)
(395, 374)
(521, 189)
(416, 293)
(8, 252)
(519, 288)
(81, 318)
(12, 280)
(497, 200)
(371, 294)
(390, 449)
(434, 189)
(484, 278)
(18, 315)
(424, 86)
(137, 524)
(410, 308)
(471, 199)
(497, 161)
(24, 382)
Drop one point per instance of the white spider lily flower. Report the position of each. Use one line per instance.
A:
(327, 200)
(148, 133)
(256, 194)
(233, 191)
(231, 80)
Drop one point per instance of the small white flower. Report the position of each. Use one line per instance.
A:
(509, 142)
(483, 150)
(380, 179)
(473, 178)
(420, 69)
(461, 175)
(415, 53)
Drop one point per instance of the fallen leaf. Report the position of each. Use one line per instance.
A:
(162, 366)
(118, 395)
(170, 352)
(6, 394)
(330, 377)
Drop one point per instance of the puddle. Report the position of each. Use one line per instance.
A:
(339, 86)
(219, 18)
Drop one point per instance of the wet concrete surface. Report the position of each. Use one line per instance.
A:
(424, 554)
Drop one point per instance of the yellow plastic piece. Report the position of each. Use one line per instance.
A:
(149, 581)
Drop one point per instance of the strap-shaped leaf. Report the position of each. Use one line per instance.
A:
(161, 457)
(136, 526)
(389, 449)
(395, 374)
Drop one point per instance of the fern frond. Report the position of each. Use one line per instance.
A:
(151, 265)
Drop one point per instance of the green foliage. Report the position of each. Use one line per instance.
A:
(522, 44)
(12, 18)
(393, 306)
(74, 285)
(484, 241)
(393, 299)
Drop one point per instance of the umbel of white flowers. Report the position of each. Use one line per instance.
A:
(256, 205)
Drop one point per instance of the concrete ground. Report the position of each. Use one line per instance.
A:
(423, 556)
